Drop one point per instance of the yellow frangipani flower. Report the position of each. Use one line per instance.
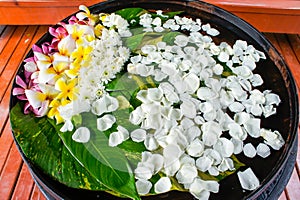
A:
(68, 90)
(57, 70)
(78, 35)
(53, 111)
(74, 70)
(66, 46)
(82, 55)
(86, 14)
(98, 30)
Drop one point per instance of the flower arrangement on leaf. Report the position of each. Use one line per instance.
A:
(139, 103)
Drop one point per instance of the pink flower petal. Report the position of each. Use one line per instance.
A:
(42, 111)
(22, 97)
(18, 91)
(45, 48)
(30, 59)
(36, 48)
(73, 20)
(27, 76)
(53, 32)
(20, 82)
(27, 108)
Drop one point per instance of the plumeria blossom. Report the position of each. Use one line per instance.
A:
(40, 99)
(200, 109)
(20, 91)
(58, 34)
(86, 14)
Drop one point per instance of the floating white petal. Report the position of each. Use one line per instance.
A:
(196, 148)
(263, 150)
(143, 186)
(241, 117)
(272, 138)
(252, 126)
(236, 131)
(81, 135)
(248, 180)
(201, 189)
(249, 150)
(224, 146)
(118, 137)
(204, 163)
(138, 135)
(213, 32)
(163, 185)
(192, 81)
(186, 174)
(143, 172)
(104, 105)
(151, 143)
(104, 123)
(238, 145)
(272, 99)
(236, 107)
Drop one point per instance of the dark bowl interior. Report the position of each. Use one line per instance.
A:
(275, 73)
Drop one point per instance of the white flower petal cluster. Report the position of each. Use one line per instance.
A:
(150, 24)
(186, 116)
(116, 21)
